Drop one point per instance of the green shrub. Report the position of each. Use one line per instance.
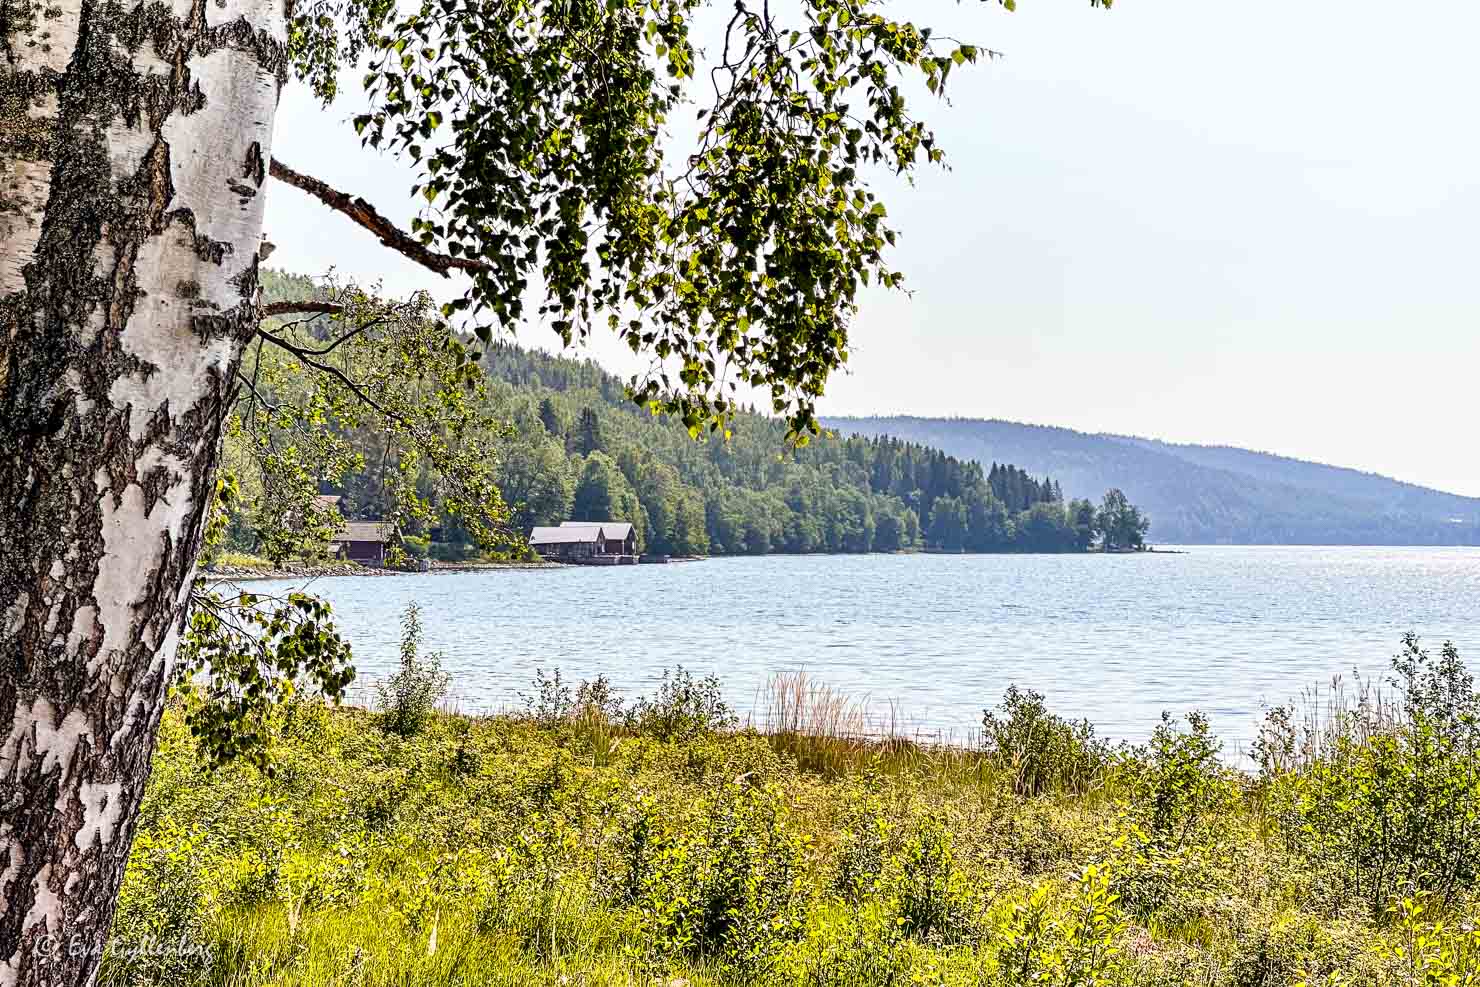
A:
(1424, 951)
(712, 760)
(725, 883)
(867, 844)
(934, 901)
(1390, 807)
(1070, 944)
(1430, 951)
(1038, 837)
(1184, 889)
(159, 929)
(409, 697)
(1042, 752)
(848, 945)
(1179, 782)
(1291, 946)
(444, 551)
(597, 698)
(1170, 853)
(639, 835)
(683, 707)
(1276, 750)
(526, 884)
(554, 703)
(466, 758)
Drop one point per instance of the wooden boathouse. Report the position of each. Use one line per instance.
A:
(365, 542)
(587, 543)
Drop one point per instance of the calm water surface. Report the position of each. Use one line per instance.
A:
(1116, 639)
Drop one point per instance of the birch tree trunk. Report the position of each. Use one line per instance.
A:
(134, 143)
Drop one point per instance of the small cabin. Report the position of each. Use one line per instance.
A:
(583, 541)
(365, 542)
(567, 544)
(618, 537)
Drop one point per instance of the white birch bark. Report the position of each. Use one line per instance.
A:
(134, 143)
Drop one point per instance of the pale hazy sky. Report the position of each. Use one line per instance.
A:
(1252, 223)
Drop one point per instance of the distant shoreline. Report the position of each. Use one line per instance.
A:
(315, 571)
(335, 570)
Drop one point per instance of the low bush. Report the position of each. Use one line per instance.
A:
(1179, 783)
(1039, 751)
(934, 899)
(683, 707)
(723, 882)
(410, 696)
(868, 841)
(159, 932)
(1423, 951)
(1385, 809)
(847, 945)
(444, 551)
(1062, 940)
(552, 703)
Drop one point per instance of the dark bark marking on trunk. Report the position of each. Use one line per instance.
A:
(16, 17)
(26, 138)
(255, 167)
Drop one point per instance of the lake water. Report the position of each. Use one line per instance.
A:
(1116, 639)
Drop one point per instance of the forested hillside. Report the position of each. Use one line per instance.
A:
(1206, 494)
(562, 441)
(580, 449)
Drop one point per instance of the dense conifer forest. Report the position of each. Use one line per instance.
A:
(582, 450)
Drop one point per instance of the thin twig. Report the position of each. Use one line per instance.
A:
(307, 356)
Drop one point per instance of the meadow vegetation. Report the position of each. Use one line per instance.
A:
(592, 840)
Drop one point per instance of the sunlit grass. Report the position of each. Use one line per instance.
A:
(822, 844)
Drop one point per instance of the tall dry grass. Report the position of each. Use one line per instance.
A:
(1323, 719)
(833, 733)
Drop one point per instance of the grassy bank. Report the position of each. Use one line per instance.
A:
(585, 842)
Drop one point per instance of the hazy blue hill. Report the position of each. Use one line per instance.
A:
(1203, 494)
(1393, 495)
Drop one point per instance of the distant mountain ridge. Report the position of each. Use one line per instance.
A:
(1197, 494)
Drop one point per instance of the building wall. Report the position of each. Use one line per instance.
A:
(365, 551)
(585, 550)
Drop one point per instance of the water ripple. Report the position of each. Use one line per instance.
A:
(1223, 629)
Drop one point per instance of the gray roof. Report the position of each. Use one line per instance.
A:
(619, 530)
(365, 531)
(562, 535)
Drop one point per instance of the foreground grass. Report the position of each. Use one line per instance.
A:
(572, 847)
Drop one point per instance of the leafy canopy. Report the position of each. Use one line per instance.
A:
(540, 130)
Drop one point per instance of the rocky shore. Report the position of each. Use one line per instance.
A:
(291, 570)
(328, 569)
